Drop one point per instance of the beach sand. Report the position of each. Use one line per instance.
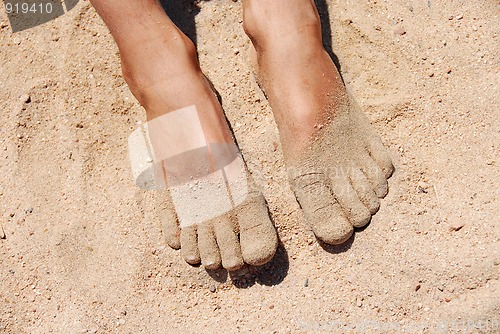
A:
(84, 252)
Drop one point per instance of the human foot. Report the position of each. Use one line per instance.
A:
(338, 167)
(163, 73)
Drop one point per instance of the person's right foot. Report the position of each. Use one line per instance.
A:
(338, 167)
(163, 73)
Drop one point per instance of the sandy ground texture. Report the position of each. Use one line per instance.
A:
(83, 249)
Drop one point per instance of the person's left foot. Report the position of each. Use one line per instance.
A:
(338, 167)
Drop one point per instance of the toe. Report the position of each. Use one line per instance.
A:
(189, 245)
(364, 190)
(258, 238)
(380, 155)
(168, 219)
(355, 210)
(229, 245)
(207, 245)
(376, 177)
(321, 210)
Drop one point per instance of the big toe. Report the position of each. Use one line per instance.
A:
(321, 209)
(258, 238)
(334, 231)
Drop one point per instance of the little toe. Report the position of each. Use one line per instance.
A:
(379, 153)
(229, 245)
(364, 190)
(207, 245)
(322, 211)
(258, 238)
(189, 245)
(168, 218)
(355, 210)
(376, 177)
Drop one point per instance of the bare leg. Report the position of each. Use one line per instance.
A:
(338, 167)
(160, 66)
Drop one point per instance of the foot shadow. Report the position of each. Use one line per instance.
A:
(183, 13)
(269, 274)
(326, 31)
(218, 275)
(337, 249)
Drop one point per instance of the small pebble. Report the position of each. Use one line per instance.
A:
(25, 98)
(306, 283)
(400, 31)
(456, 227)
(417, 287)
(2, 233)
(213, 288)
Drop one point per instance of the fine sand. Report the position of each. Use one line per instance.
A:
(83, 250)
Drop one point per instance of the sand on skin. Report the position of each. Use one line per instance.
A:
(83, 249)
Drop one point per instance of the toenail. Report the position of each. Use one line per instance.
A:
(191, 259)
(211, 265)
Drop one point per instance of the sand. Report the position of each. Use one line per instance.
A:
(84, 252)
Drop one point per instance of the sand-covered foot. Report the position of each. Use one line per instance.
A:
(338, 167)
(163, 73)
(243, 235)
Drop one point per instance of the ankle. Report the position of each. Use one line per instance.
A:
(283, 22)
(158, 63)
